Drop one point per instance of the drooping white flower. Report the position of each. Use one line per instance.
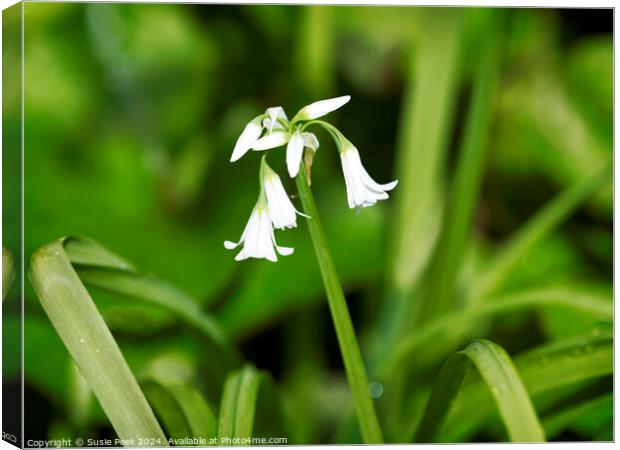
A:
(258, 239)
(281, 210)
(296, 142)
(362, 190)
(321, 108)
(249, 135)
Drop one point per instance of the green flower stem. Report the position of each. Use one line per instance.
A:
(353, 364)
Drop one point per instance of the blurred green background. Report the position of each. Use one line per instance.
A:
(132, 111)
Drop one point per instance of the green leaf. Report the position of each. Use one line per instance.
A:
(558, 422)
(238, 404)
(185, 413)
(500, 376)
(91, 345)
(8, 271)
(98, 267)
(446, 330)
(544, 369)
(539, 226)
(425, 120)
(468, 176)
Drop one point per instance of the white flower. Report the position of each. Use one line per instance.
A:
(258, 239)
(321, 108)
(249, 135)
(296, 143)
(362, 191)
(281, 210)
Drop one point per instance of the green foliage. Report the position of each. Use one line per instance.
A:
(500, 376)
(91, 345)
(500, 228)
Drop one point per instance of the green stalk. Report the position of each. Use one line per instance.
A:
(353, 364)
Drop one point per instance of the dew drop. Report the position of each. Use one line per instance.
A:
(81, 340)
(97, 350)
(375, 390)
(123, 266)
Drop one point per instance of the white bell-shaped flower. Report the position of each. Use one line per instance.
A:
(258, 239)
(249, 135)
(321, 108)
(281, 210)
(362, 190)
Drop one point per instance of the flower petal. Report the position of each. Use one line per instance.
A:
(273, 140)
(248, 136)
(285, 251)
(229, 245)
(321, 108)
(294, 151)
(310, 141)
(272, 123)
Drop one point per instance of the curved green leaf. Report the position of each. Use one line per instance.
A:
(450, 326)
(550, 367)
(98, 267)
(500, 376)
(91, 345)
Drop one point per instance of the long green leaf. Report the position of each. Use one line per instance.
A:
(500, 376)
(91, 345)
(100, 268)
(185, 413)
(423, 134)
(349, 347)
(563, 419)
(8, 271)
(238, 405)
(468, 176)
(543, 223)
(451, 327)
(547, 368)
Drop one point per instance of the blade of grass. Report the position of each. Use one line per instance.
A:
(426, 116)
(349, 348)
(8, 271)
(543, 223)
(91, 345)
(184, 412)
(549, 367)
(465, 188)
(98, 267)
(167, 410)
(560, 421)
(238, 405)
(314, 50)
(450, 328)
(500, 376)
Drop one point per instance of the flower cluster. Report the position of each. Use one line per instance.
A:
(274, 207)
